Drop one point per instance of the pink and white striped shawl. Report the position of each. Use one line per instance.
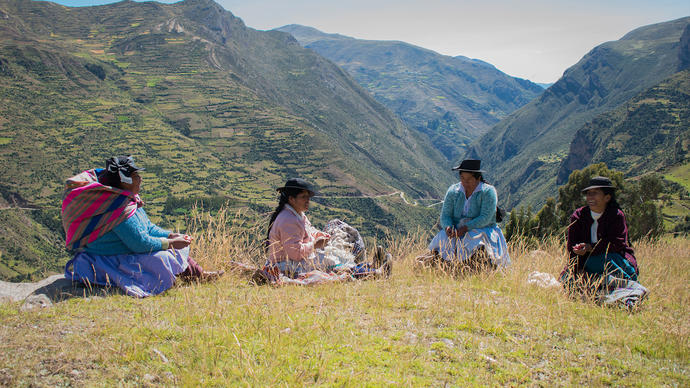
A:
(90, 209)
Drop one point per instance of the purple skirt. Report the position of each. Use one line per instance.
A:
(138, 274)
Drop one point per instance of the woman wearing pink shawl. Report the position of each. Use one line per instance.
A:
(293, 242)
(114, 241)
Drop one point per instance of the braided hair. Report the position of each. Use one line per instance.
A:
(285, 194)
(118, 169)
(613, 204)
(108, 178)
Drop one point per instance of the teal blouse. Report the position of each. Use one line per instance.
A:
(481, 212)
(137, 234)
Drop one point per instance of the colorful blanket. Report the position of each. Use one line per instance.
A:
(90, 209)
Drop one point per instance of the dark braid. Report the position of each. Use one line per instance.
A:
(612, 203)
(478, 175)
(109, 179)
(285, 194)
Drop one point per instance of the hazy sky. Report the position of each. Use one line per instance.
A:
(533, 39)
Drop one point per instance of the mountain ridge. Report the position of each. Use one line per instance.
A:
(451, 100)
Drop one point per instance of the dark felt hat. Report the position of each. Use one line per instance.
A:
(298, 183)
(469, 165)
(599, 182)
(123, 166)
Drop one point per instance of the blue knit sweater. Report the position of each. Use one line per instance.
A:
(481, 212)
(137, 234)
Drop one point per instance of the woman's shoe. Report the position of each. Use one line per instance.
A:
(209, 276)
(387, 266)
(379, 256)
(431, 258)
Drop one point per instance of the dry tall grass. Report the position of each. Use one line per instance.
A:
(421, 327)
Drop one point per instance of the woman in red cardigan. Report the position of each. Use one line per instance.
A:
(598, 236)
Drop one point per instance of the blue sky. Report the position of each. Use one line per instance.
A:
(533, 39)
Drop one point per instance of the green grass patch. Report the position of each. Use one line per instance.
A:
(152, 82)
(680, 175)
(121, 65)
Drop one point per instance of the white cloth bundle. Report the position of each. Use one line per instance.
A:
(338, 251)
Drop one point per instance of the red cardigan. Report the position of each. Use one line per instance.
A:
(612, 235)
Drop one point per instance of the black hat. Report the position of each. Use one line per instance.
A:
(598, 182)
(123, 166)
(298, 183)
(469, 165)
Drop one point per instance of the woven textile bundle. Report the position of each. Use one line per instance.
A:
(90, 209)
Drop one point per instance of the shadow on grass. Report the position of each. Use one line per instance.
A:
(52, 289)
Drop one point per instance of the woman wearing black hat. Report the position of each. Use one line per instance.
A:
(292, 241)
(114, 240)
(598, 235)
(468, 221)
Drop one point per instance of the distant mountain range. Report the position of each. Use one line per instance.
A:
(596, 100)
(452, 100)
(210, 107)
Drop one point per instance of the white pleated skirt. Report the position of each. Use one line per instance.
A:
(491, 238)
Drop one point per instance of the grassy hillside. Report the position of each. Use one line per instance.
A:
(680, 175)
(647, 133)
(211, 108)
(451, 100)
(420, 328)
(526, 149)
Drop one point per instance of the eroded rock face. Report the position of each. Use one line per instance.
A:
(579, 156)
(684, 49)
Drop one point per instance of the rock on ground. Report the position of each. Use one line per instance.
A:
(47, 291)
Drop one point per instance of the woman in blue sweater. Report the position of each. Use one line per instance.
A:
(115, 242)
(469, 233)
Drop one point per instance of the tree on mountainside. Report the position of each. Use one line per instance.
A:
(544, 223)
(521, 223)
(547, 222)
(638, 201)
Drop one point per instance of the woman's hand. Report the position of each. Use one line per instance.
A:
(581, 248)
(321, 242)
(179, 241)
(186, 236)
(460, 232)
